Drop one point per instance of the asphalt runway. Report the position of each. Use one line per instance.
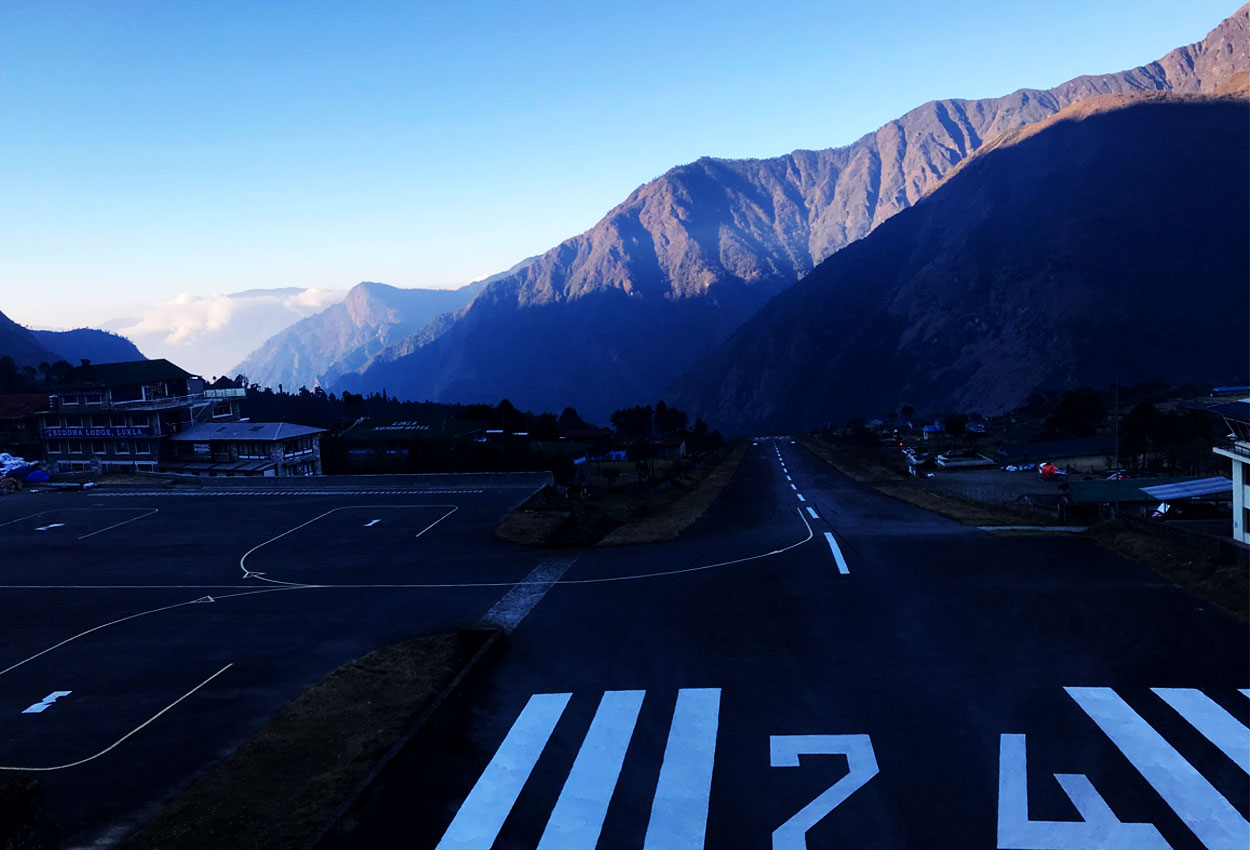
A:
(816, 665)
(148, 633)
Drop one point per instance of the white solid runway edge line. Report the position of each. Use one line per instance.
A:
(837, 554)
(679, 810)
(1216, 823)
(578, 816)
(481, 816)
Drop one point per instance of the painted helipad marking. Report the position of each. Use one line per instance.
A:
(120, 524)
(577, 819)
(123, 738)
(52, 525)
(812, 512)
(247, 573)
(481, 816)
(679, 809)
(837, 554)
(132, 617)
(1219, 727)
(1204, 810)
(46, 702)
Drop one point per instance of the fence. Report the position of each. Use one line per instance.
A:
(1223, 550)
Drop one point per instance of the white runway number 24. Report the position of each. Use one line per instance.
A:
(784, 751)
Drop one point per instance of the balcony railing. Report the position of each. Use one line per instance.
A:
(1234, 447)
(138, 403)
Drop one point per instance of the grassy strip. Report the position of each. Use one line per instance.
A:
(621, 517)
(279, 788)
(671, 516)
(859, 465)
(1224, 585)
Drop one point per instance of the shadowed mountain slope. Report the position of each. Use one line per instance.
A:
(22, 346)
(610, 316)
(1109, 245)
(89, 344)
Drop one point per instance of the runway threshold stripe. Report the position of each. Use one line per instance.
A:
(481, 816)
(1216, 725)
(679, 810)
(1204, 810)
(837, 554)
(577, 819)
(516, 604)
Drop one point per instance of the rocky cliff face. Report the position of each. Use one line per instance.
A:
(1110, 244)
(616, 305)
(346, 336)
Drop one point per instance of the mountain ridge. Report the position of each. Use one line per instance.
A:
(733, 233)
(347, 336)
(1043, 264)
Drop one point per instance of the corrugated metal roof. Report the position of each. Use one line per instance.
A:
(257, 431)
(1126, 490)
(1190, 489)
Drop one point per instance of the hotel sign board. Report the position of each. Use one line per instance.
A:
(89, 433)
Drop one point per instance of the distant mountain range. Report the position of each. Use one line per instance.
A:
(32, 347)
(614, 315)
(207, 334)
(348, 336)
(1108, 244)
(89, 344)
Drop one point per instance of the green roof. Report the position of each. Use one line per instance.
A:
(411, 429)
(1126, 490)
(94, 375)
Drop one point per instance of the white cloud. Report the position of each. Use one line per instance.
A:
(210, 334)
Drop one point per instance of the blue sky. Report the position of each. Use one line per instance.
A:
(152, 149)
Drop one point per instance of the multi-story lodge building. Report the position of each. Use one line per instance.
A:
(235, 449)
(120, 416)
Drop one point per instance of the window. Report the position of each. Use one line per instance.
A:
(123, 447)
(73, 421)
(75, 447)
(54, 447)
(142, 447)
(98, 447)
(119, 421)
(1245, 473)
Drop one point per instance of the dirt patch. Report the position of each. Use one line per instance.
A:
(867, 466)
(963, 510)
(533, 525)
(1224, 585)
(862, 464)
(671, 517)
(623, 515)
(280, 787)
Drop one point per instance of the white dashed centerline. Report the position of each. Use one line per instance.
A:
(837, 554)
(800, 495)
(812, 512)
